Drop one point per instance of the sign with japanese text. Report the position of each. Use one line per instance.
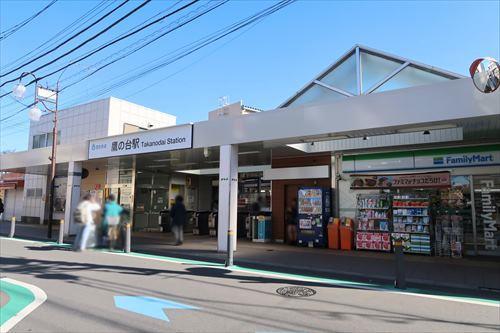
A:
(164, 139)
(417, 180)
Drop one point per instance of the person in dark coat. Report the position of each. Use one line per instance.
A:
(178, 218)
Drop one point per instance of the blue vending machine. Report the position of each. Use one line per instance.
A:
(314, 210)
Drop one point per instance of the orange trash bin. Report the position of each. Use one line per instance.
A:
(334, 234)
(346, 236)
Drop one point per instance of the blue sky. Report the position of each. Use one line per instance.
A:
(263, 65)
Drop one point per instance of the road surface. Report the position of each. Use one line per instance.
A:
(85, 290)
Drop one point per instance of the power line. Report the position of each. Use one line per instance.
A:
(79, 22)
(8, 32)
(70, 38)
(105, 45)
(204, 42)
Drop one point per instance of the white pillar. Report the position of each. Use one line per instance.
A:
(72, 196)
(228, 195)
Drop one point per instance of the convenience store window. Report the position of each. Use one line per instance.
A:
(487, 204)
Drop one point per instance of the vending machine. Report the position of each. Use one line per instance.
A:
(314, 210)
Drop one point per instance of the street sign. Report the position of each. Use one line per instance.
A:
(149, 306)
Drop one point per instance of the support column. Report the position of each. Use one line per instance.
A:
(228, 196)
(72, 196)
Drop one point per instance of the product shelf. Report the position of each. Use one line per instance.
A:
(423, 207)
(373, 208)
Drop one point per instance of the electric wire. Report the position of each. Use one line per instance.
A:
(249, 21)
(69, 39)
(63, 33)
(10, 31)
(105, 45)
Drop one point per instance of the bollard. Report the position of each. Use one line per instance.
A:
(229, 260)
(128, 236)
(400, 281)
(60, 239)
(12, 227)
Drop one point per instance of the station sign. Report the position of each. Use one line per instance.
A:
(149, 141)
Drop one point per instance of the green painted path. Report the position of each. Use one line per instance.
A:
(23, 299)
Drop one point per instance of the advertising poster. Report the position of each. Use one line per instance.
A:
(418, 180)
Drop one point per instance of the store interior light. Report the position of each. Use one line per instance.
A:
(166, 160)
(249, 152)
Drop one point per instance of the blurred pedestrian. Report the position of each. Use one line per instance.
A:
(291, 222)
(84, 216)
(111, 220)
(1, 209)
(178, 218)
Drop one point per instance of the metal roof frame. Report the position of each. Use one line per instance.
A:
(356, 50)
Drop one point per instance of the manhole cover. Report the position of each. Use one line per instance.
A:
(296, 291)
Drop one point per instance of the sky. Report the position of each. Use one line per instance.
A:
(262, 65)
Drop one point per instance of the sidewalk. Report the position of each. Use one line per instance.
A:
(472, 273)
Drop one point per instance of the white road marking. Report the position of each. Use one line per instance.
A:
(40, 297)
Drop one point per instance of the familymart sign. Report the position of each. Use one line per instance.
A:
(150, 141)
(424, 159)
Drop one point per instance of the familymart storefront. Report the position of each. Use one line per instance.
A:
(442, 202)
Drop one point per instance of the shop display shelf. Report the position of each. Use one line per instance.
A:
(411, 215)
(396, 198)
(411, 232)
(373, 218)
(373, 230)
(374, 208)
(422, 207)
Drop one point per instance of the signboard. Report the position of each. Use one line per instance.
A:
(458, 160)
(418, 180)
(164, 139)
(424, 159)
(487, 204)
(46, 94)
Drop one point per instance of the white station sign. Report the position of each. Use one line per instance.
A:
(164, 139)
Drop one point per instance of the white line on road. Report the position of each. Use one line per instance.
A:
(40, 297)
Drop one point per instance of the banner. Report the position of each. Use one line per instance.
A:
(417, 180)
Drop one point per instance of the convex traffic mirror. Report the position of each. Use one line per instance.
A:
(485, 73)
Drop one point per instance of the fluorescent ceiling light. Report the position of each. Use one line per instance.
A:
(156, 166)
(187, 163)
(212, 162)
(249, 152)
(215, 171)
(167, 160)
(426, 128)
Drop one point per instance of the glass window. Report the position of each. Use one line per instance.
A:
(487, 206)
(374, 69)
(48, 142)
(343, 76)
(38, 141)
(316, 93)
(411, 77)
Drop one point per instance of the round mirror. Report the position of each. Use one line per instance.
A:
(485, 73)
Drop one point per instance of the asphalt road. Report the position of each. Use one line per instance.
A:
(81, 287)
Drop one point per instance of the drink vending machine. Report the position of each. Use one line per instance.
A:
(314, 210)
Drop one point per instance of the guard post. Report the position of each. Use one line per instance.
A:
(229, 260)
(60, 238)
(128, 237)
(400, 281)
(12, 227)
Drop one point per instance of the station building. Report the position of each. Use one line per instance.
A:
(402, 148)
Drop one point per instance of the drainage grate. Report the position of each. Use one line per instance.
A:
(294, 291)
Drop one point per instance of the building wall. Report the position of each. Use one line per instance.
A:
(13, 204)
(279, 187)
(124, 112)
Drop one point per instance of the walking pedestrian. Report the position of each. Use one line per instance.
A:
(84, 217)
(291, 222)
(178, 218)
(1, 209)
(111, 220)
